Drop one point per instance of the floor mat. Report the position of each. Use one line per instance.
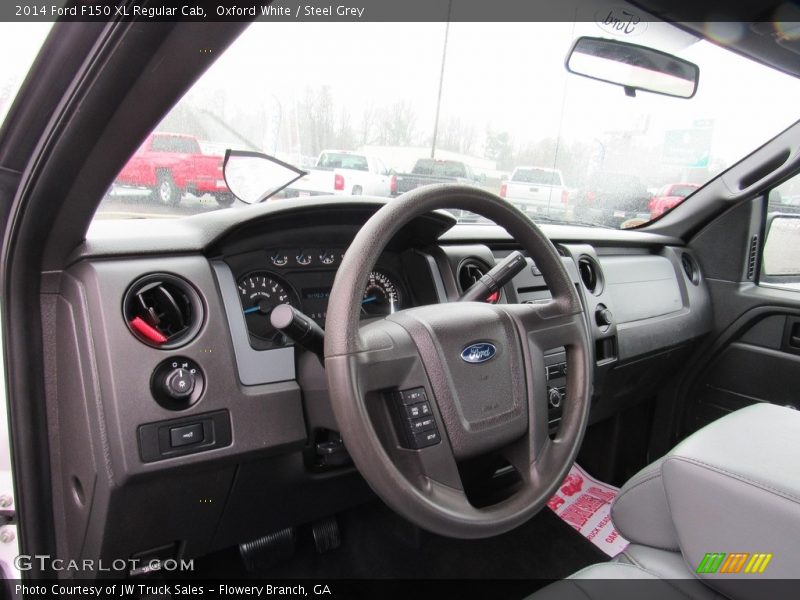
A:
(585, 503)
(373, 547)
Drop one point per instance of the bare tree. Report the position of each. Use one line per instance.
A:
(456, 135)
(368, 124)
(396, 125)
(344, 137)
(499, 148)
(315, 113)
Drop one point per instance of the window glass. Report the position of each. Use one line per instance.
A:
(472, 105)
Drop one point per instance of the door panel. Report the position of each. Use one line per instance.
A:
(754, 353)
(753, 368)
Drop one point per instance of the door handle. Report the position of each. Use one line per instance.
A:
(794, 336)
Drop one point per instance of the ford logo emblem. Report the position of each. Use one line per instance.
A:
(478, 353)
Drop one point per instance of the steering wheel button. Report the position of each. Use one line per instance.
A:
(413, 396)
(422, 424)
(422, 409)
(426, 438)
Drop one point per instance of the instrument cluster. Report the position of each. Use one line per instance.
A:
(303, 278)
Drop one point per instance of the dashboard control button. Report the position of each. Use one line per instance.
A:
(554, 397)
(177, 383)
(180, 383)
(186, 435)
(603, 316)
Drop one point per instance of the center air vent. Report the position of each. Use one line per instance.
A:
(469, 272)
(163, 311)
(591, 275)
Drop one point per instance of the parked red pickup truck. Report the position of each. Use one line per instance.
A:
(171, 164)
(669, 196)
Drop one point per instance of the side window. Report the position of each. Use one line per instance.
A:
(781, 259)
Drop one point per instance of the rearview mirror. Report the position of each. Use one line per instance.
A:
(633, 67)
(254, 177)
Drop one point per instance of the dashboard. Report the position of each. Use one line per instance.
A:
(178, 387)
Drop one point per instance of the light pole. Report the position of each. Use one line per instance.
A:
(441, 80)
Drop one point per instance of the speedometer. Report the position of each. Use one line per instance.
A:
(260, 292)
(381, 296)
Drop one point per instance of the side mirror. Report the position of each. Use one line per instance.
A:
(782, 250)
(254, 177)
(633, 67)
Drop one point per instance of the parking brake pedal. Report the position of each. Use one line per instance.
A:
(326, 534)
(265, 551)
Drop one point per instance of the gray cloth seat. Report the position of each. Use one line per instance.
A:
(734, 488)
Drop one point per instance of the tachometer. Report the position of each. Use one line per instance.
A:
(381, 296)
(260, 292)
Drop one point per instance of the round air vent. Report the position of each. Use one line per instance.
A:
(163, 311)
(690, 268)
(469, 272)
(591, 275)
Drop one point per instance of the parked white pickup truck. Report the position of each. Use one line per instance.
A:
(345, 173)
(537, 190)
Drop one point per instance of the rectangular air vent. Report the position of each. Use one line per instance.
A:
(752, 258)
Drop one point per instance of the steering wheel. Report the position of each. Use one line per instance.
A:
(476, 369)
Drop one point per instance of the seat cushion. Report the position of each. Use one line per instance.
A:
(640, 512)
(612, 581)
(669, 566)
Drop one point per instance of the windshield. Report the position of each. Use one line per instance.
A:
(19, 44)
(488, 103)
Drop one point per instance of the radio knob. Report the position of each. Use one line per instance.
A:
(604, 317)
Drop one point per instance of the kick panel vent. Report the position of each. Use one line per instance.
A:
(163, 311)
(591, 274)
(752, 258)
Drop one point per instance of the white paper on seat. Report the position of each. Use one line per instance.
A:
(585, 503)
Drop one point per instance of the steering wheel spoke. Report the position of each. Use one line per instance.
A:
(401, 406)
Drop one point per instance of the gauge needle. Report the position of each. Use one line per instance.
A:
(252, 309)
(368, 299)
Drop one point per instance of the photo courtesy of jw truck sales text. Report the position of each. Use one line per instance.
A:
(400, 300)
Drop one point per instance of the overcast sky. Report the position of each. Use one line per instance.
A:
(507, 76)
